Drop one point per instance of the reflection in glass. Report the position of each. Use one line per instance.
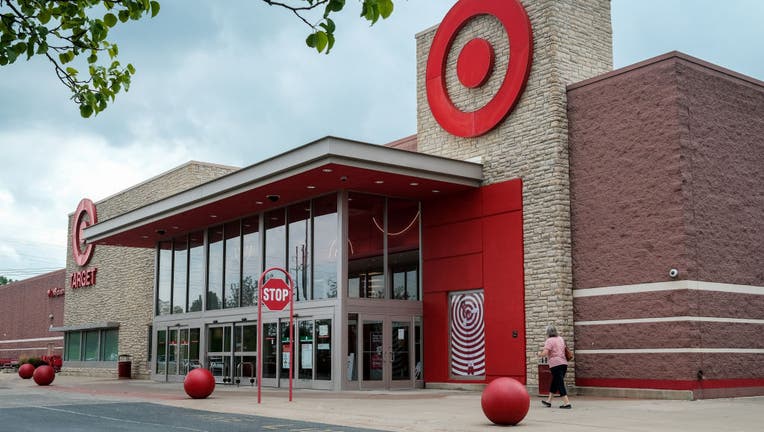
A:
(372, 350)
(305, 349)
(324, 349)
(193, 349)
(269, 350)
(215, 268)
(183, 352)
(91, 345)
(164, 287)
(418, 366)
(352, 373)
(232, 264)
(109, 345)
(195, 271)
(172, 352)
(251, 266)
(161, 351)
(275, 239)
(298, 218)
(399, 358)
(325, 247)
(403, 247)
(366, 245)
(284, 349)
(73, 345)
(180, 264)
(249, 338)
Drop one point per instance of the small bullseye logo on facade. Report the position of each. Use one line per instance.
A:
(475, 66)
(84, 216)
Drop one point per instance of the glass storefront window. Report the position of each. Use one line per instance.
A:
(324, 349)
(286, 356)
(325, 247)
(109, 344)
(195, 271)
(180, 265)
(418, 367)
(164, 284)
(352, 373)
(305, 348)
(270, 337)
(403, 247)
(366, 245)
(91, 345)
(275, 239)
(232, 290)
(298, 219)
(193, 349)
(215, 339)
(172, 352)
(215, 268)
(161, 351)
(249, 338)
(251, 264)
(73, 346)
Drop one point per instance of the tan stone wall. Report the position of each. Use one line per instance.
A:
(124, 288)
(572, 42)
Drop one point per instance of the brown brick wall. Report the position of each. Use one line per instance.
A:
(25, 310)
(666, 172)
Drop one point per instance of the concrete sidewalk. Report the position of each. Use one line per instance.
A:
(421, 410)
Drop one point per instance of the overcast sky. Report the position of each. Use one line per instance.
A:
(232, 82)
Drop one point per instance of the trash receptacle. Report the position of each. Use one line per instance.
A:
(125, 366)
(545, 377)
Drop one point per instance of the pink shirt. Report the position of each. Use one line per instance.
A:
(556, 348)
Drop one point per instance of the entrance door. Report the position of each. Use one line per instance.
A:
(219, 353)
(245, 354)
(177, 352)
(386, 347)
(276, 355)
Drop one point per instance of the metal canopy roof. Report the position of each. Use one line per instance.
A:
(315, 169)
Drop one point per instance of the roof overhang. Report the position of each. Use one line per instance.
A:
(89, 326)
(327, 165)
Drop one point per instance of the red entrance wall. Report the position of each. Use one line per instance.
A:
(474, 240)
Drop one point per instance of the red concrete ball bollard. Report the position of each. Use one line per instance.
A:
(44, 375)
(26, 370)
(199, 383)
(505, 401)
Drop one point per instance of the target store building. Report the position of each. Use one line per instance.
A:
(541, 187)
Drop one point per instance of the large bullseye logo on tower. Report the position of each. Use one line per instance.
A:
(475, 66)
(84, 216)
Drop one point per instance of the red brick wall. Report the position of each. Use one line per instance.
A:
(666, 172)
(25, 309)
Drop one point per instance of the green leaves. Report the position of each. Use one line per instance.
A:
(70, 32)
(373, 9)
(322, 36)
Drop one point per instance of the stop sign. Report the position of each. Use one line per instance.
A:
(276, 294)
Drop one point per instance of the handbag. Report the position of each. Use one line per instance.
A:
(568, 354)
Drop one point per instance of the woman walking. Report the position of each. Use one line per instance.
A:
(554, 349)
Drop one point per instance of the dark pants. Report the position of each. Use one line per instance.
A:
(558, 380)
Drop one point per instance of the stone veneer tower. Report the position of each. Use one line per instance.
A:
(572, 41)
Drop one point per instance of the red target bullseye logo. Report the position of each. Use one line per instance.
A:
(83, 218)
(475, 66)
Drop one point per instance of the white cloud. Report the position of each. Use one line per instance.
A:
(233, 83)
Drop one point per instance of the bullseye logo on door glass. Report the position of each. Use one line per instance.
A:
(475, 66)
(84, 216)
